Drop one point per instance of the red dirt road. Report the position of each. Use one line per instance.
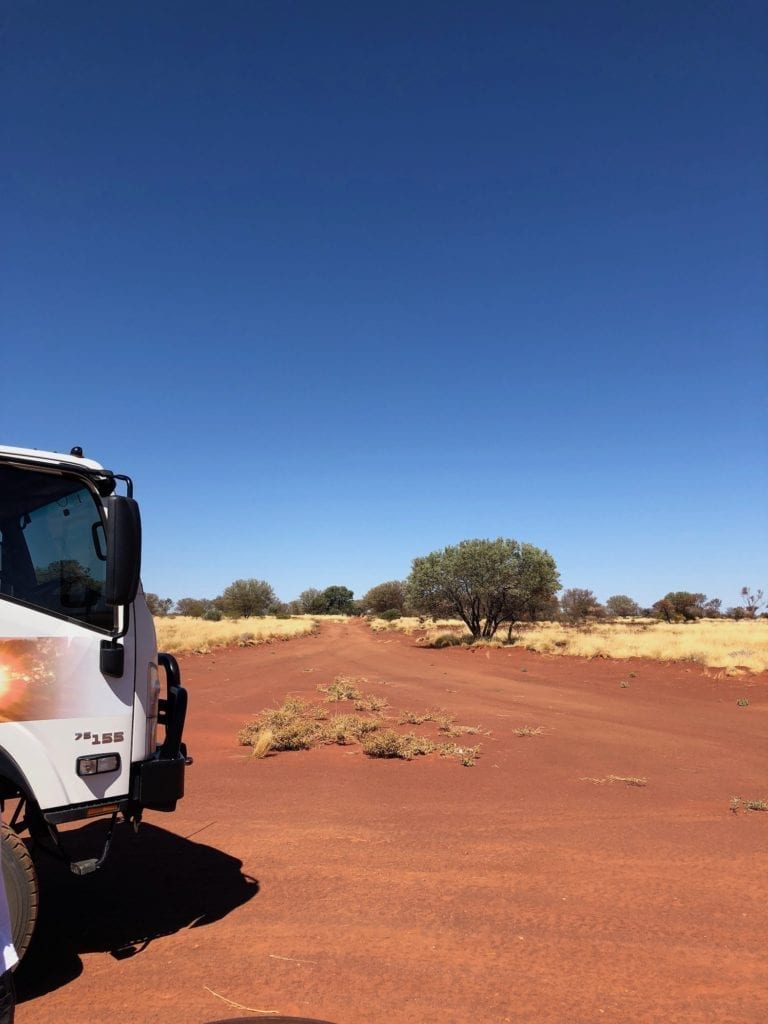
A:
(329, 886)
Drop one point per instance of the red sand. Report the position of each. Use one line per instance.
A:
(329, 886)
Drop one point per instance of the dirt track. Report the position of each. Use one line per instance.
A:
(329, 886)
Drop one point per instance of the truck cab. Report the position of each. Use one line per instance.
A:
(91, 716)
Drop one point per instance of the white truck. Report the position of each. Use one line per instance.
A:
(91, 716)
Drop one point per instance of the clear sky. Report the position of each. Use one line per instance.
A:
(340, 283)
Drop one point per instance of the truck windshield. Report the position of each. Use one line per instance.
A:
(52, 545)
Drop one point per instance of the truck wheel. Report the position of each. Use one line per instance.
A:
(20, 887)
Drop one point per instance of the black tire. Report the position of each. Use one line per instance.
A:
(21, 888)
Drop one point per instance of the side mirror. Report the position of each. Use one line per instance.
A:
(123, 550)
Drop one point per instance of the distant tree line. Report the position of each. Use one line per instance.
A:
(485, 583)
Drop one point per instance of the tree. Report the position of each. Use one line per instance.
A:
(385, 597)
(664, 609)
(484, 582)
(244, 598)
(752, 600)
(337, 600)
(308, 602)
(194, 607)
(622, 605)
(578, 604)
(158, 606)
(334, 600)
(681, 605)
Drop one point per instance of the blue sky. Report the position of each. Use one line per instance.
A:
(339, 283)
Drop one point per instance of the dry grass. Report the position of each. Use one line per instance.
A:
(298, 724)
(445, 722)
(724, 644)
(715, 643)
(628, 780)
(466, 755)
(390, 744)
(185, 635)
(748, 805)
(342, 688)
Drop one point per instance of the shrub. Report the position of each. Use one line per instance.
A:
(389, 744)
(447, 640)
(343, 728)
(212, 615)
(390, 614)
(466, 755)
(385, 597)
(386, 743)
(293, 725)
(342, 688)
(370, 702)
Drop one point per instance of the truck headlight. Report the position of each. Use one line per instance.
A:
(98, 765)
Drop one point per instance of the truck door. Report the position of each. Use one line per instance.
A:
(57, 709)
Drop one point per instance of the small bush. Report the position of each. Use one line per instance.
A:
(391, 614)
(467, 756)
(294, 726)
(370, 702)
(743, 702)
(755, 805)
(447, 640)
(414, 718)
(212, 615)
(388, 743)
(342, 688)
(342, 729)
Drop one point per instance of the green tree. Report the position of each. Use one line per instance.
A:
(622, 605)
(337, 600)
(334, 600)
(484, 582)
(194, 607)
(158, 606)
(309, 602)
(244, 598)
(679, 605)
(578, 604)
(385, 597)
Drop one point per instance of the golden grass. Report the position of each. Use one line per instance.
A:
(297, 724)
(715, 643)
(628, 780)
(185, 635)
(734, 647)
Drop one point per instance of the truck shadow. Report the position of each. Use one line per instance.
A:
(152, 884)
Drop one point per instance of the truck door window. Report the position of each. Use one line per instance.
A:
(53, 546)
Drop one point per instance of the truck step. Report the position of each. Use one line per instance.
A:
(84, 867)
